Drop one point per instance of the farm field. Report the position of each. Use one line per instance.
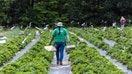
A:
(84, 59)
(96, 38)
(122, 47)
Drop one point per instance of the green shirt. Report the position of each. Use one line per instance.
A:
(62, 36)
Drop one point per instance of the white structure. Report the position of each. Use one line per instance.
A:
(37, 28)
(12, 27)
(114, 24)
(3, 39)
(104, 29)
(30, 24)
(46, 27)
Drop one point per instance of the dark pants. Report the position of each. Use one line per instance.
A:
(60, 50)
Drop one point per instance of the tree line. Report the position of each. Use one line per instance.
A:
(42, 12)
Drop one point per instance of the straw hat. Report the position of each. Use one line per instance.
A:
(59, 24)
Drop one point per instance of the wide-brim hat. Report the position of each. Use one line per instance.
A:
(59, 24)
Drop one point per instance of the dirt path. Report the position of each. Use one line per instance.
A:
(60, 69)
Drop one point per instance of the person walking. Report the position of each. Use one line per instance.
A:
(54, 26)
(59, 35)
(122, 21)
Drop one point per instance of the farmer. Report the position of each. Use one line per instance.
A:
(122, 21)
(59, 35)
(54, 26)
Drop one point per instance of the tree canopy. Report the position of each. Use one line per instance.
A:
(21, 12)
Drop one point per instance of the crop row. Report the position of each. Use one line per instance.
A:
(96, 36)
(87, 60)
(11, 47)
(35, 61)
(123, 46)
